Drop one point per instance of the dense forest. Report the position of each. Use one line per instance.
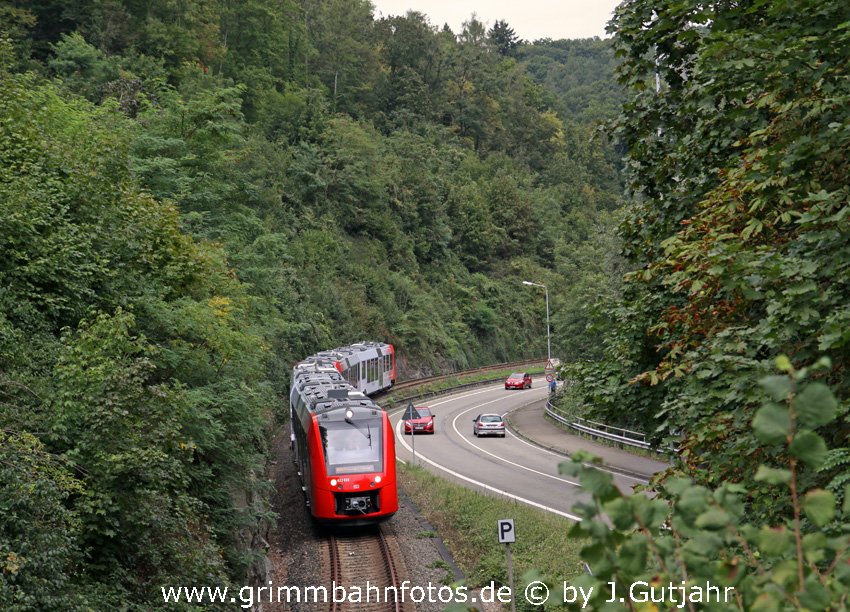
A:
(195, 195)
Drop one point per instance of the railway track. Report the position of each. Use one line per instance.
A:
(414, 382)
(372, 561)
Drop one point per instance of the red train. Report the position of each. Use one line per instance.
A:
(343, 442)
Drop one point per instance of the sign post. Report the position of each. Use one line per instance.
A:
(551, 374)
(507, 534)
(411, 413)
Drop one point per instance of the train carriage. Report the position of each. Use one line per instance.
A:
(367, 366)
(343, 442)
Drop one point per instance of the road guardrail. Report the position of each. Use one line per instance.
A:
(604, 431)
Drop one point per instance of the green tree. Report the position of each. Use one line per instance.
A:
(690, 535)
(410, 49)
(503, 37)
(737, 228)
(158, 409)
(39, 547)
(343, 30)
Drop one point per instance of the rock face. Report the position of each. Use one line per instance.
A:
(252, 540)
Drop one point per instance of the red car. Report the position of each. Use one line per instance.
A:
(423, 424)
(521, 380)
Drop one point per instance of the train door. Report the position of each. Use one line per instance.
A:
(300, 445)
(386, 371)
(372, 385)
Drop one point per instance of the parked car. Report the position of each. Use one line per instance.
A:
(520, 380)
(488, 425)
(423, 424)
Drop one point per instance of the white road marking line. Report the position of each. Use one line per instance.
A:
(499, 399)
(598, 467)
(454, 398)
(488, 487)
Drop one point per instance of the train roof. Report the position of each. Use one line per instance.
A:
(322, 387)
(322, 396)
(315, 364)
(305, 379)
(342, 352)
(323, 391)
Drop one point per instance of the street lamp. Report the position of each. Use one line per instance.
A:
(548, 334)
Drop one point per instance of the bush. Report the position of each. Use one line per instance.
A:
(689, 536)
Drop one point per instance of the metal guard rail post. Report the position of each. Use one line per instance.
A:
(606, 432)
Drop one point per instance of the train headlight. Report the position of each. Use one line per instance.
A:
(349, 413)
(333, 482)
(377, 479)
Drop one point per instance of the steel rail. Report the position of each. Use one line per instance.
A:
(388, 559)
(374, 556)
(335, 570)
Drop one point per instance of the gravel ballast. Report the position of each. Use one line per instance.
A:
(296, 544)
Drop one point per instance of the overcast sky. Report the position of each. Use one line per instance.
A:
(530, 19)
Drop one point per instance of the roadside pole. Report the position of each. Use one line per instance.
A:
(410, 414)
(506, 536)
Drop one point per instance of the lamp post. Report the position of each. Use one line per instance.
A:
(548, 334)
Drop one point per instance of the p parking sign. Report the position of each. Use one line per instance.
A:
(507, 535)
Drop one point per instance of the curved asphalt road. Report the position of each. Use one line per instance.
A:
(507, 466)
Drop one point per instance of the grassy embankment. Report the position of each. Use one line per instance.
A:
(466, 520)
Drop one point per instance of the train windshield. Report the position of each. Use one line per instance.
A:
(353, 448)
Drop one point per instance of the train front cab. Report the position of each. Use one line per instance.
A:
(353, 460)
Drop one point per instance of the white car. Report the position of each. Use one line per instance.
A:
(488, 425)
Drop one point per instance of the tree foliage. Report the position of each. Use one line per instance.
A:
(124, 352)
(193, 196)
(691, 536)
(738, 226)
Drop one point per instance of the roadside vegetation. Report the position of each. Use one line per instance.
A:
(737, 231)
(731, 334)
(466, 520)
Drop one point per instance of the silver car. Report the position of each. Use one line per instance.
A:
(488, 425)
